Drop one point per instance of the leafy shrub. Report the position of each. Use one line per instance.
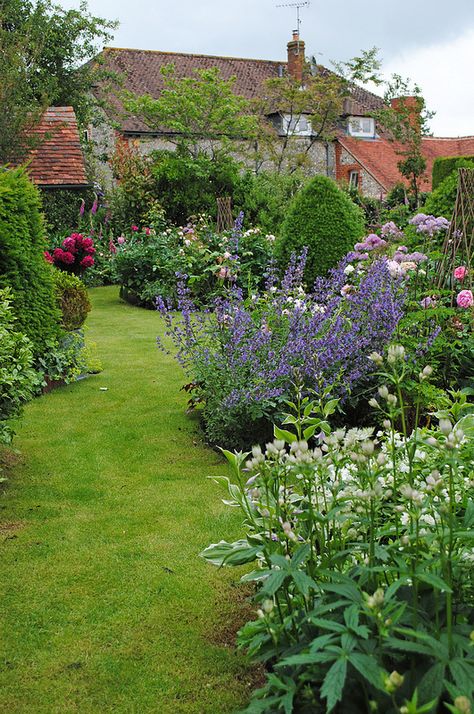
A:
(264, 198)
(61, 208)
(147, 261)
(323, 218)
(362, 545)
(65, 359)
(186, 186)
(72, 298)
(242, 361)
(444, 166)
(22, 263)
(132, 198)
(17, 378)
(441, 202)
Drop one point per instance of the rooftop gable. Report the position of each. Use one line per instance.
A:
(57, 160)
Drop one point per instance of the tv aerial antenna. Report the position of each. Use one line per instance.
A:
(298, 6)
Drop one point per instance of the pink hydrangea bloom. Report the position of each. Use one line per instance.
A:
(460, 273)
(465, 299)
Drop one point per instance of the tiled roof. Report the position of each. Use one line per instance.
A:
(140, 71)
(380, 157)
(58, 159)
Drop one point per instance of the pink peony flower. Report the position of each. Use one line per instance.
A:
(67, 257)
(465, 299)
(147, 231)
(120, 240)
(87, 261)
(70, 244)
(460, 273)
(48, 256)
(134, 228)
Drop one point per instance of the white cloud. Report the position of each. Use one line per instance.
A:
(444, 73)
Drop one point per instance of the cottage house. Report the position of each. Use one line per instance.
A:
(359, 155)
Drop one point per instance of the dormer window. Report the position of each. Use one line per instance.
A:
(299, 126)
(362, 127)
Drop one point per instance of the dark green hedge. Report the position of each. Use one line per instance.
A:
(444, 166)
(61, 208)
(22, 264)
(326, 220)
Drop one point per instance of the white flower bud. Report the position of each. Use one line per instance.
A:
(445, 426)
(383, 391)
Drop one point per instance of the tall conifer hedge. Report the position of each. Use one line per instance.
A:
(22, 264)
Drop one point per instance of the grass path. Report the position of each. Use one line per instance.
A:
(105, 606)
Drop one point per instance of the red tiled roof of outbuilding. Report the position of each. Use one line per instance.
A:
(57, 160)
(380, 157)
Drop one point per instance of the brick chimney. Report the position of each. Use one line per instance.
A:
(410, 107)
(296, 57)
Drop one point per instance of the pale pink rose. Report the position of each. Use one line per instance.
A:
(465, 299)
(460, 273)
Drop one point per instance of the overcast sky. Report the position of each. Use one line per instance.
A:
(430, 41)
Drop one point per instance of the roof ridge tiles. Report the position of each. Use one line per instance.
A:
(194, 54)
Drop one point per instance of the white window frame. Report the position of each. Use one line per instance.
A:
(354, 179)
(297, 130)
(369, 132)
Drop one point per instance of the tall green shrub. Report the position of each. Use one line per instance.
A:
(441, 201)
(264, 198)
(326, 220)
(445, 165)
(22, 264)
(17, 378)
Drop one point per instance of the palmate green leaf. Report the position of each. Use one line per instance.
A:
(333, 684)
(306, 658)
(408, 646)
(303, 582)
(223, 553)
(328, 625)
(431, 684)
(351, 617)
(434, 580)
(319, 643)
(367, 666)
(462, 672)
(301, 555)
(274, 582)
(438, 648)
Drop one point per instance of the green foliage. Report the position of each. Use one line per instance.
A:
(44, 60)
(187, 186)
(72, 299)
(362, 548)
(441, 202)
(22, 263)
(444, 166)
(17, 378)
(131, 200)
(326, 220)
(65, 359)
(61, 209)
(264, 198)
(201, 106)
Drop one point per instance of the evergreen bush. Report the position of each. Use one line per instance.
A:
(264, 198)
(445, 165)
(441, 202)
(17, 378)
(23, 267)
(326, 220)
(72, 299)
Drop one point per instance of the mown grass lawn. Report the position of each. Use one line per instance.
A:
(106, 606)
